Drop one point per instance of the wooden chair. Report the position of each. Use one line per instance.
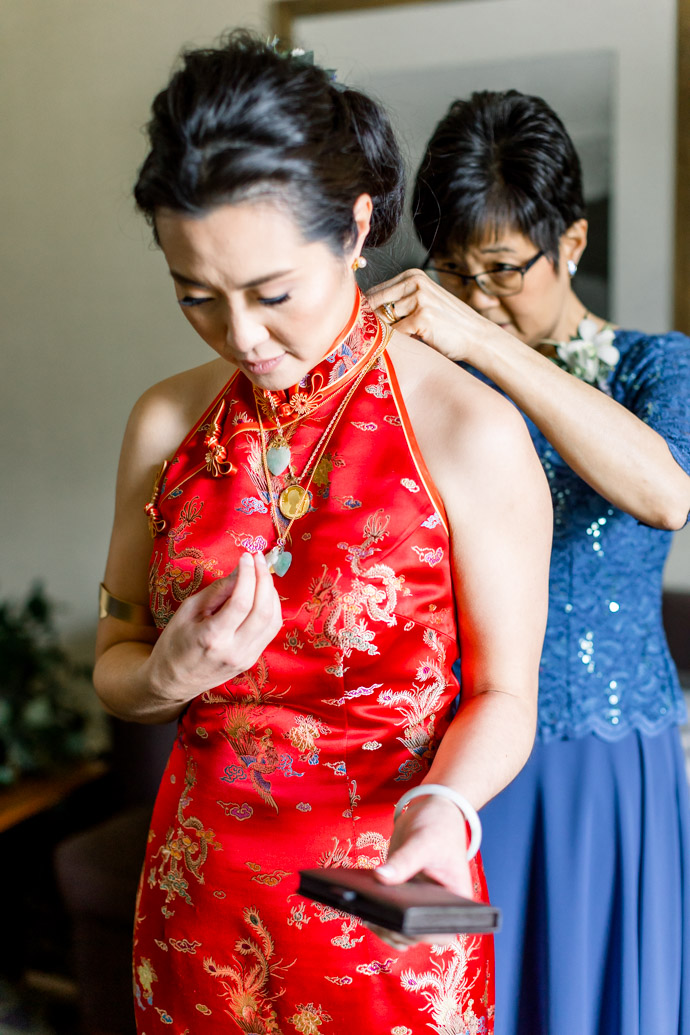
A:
(98, 872)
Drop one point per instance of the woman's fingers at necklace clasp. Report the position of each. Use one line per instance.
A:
(422, 309)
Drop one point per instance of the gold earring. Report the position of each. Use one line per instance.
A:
(359, 263)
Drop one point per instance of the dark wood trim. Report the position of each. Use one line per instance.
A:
(681, 314)
(33, 794)
(284, 12)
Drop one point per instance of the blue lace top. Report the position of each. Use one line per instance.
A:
(606, 666)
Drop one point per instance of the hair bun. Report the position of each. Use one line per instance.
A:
(241, 118)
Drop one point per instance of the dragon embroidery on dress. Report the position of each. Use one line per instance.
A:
(418, 706)
(245, 986)
(184, 851)
(339, 619)
(175, 579)
(447, 986)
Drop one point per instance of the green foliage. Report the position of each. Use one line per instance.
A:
(40, 727)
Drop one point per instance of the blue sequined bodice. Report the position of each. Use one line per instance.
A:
(606, 666)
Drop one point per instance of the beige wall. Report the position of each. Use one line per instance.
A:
(87, 318)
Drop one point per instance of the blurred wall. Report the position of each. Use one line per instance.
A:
(88, 319)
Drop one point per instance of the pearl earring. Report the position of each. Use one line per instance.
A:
(359, 263)
(572, 267)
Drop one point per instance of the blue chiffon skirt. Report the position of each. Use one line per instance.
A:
(587, 853)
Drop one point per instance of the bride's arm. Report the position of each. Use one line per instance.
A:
(215, 634)
(481, 458)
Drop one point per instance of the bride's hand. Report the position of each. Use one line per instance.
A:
(430, 842)
(217, 633)
(425, 310)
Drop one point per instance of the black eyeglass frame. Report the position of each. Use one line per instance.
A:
(501, 267)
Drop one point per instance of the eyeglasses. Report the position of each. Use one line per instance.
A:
(502, 280)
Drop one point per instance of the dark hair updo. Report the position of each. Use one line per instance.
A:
(239, 121)
(497, 161)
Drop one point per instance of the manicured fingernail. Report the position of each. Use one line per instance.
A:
(261, 559)
(246, 559)
(386, 870)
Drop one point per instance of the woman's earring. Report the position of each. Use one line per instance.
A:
(359, 263)
(572, 267)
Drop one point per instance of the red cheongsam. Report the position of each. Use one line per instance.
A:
(298, 762)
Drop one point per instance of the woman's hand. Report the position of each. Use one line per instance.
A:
(217, 633)
(429, 841)
(427, 311)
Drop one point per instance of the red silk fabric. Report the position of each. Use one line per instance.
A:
(298, 762)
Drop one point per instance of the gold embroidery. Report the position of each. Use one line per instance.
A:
(217, 463)
(184, 851)
(246, 988)
(156, 522)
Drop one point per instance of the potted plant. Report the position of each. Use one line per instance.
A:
(41, 727)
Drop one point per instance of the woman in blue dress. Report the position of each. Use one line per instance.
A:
(588, 850)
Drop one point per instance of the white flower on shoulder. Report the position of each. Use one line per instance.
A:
(591, 355)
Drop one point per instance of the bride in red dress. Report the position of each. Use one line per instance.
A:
(308, 530)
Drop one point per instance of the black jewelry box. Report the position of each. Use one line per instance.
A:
(416, 907)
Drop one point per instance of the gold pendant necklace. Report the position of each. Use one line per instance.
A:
(294, 501)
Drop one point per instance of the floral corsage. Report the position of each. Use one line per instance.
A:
(590, 355)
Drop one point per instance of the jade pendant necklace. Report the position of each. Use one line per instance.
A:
(294, 501)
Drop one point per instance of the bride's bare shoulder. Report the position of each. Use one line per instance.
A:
(163, 415)
(463, 427)
(428, 378)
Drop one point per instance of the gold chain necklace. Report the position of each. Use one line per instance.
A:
(294, 500)
(279, 454)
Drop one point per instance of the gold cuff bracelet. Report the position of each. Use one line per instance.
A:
(109, 605)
